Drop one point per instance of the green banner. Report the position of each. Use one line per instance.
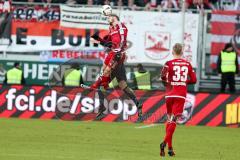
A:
(38, 73)
(35, 73)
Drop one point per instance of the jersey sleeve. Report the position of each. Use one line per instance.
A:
(192, 79)
(122, 38)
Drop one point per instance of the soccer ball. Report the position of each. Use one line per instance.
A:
(106, 10)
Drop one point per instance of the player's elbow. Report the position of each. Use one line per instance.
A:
(193, 80)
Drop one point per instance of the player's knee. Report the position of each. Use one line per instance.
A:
(172, 118)
(104, 67)
(107, 71)
(122, 85)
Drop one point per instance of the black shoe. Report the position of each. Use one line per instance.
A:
(139, 107)
(171, 152)
(101, 114)
(162, 151)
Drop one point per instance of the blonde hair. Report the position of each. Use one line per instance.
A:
(178, 49)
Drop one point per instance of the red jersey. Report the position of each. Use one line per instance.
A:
(118, 37)
(178, 73)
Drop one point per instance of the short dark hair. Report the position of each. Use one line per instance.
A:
(16, 64)
(140, 66)
(228, 45)
(116, 16)
(75, 65)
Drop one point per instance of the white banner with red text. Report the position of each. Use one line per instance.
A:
(150, 39)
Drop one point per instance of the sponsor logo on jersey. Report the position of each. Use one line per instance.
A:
(178, 83)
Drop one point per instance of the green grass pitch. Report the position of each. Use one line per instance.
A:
(68, 140)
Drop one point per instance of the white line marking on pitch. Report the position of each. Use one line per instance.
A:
(147, 126)
(34, 155)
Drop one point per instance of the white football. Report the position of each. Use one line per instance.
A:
(106, 10)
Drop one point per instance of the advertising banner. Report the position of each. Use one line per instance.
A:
(151, 35)
(65, 55)
(79, 104)
(42, 36)
(34, 72)
(36, 13)
(79, 17)
(36, 29)
(38, 73)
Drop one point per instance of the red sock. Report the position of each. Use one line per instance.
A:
(101, 81)
(170, 128)
(166, 129)
(105, 81)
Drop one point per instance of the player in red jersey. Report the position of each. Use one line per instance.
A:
(113, 65)
(176, 74)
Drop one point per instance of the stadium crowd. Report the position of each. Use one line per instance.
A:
(153, 4)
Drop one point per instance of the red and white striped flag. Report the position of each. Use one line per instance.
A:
(225, 29)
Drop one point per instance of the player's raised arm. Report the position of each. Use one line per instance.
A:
(122, 35)
(105, 41)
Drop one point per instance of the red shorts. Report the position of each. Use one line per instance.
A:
(175, 105)
(109, 60)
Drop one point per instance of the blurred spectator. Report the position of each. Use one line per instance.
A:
(114, 83)
(2, 73)
(142, 78)
(228, 66)
(153, 5)
(169, 5)
(14, 75)
(199, 4)
(73, 76)
(132, 5)
(187, 4)
(121, 2)
(139, 3)
(212, 4)
(71, 2)
(90, 2)
(228, 4)
(48, 3)
(106, 2)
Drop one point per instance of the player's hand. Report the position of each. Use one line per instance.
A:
(94, 41)
(96, 36)
(108, 44)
